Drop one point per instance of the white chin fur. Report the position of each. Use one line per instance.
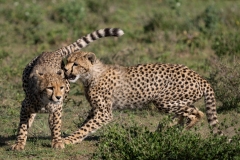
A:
(74, 80)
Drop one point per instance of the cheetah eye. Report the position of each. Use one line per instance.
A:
(61, 87)
(59, 72)
(75, 64)
(50, 88)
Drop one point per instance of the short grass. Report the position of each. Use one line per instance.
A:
(192, 33)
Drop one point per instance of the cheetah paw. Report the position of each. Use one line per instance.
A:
(17, 147)
(67, 141)
(58, 145)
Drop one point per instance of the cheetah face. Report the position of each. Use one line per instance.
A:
(79, 65)
(52, 88)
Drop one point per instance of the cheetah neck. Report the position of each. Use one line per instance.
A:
(96, 71)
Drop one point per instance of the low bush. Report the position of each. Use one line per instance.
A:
(225, 80)
(70, 13)
(208, 21)
(134, 142)
(226, 44)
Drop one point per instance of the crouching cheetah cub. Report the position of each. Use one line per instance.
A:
(171, 88)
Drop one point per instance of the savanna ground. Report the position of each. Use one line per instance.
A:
(204, 35)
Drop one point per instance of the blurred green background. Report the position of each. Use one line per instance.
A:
(203, 35)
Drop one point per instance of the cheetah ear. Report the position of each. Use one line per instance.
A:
(91, 57)
(61, 73)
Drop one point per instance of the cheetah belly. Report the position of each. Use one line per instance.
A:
(127, 97)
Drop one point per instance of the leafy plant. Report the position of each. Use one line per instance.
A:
(226, 44)
(71, 12)
(225, 80)
(20, 13)
(3, 54)
(134, 142)
(208, 21)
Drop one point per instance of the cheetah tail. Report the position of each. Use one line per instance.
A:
(210, 103)
(85, 40)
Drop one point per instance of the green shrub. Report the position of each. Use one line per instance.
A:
(192, 40)
(160, 19)
(96, 7)
(3, 54)
(159, 22)
(208, 21)
(173, 4)
(26, 21)
(153, 24)
(71, 12)
(74, 15)
(225, 80)
(134, 142)
(226, 44)
(20, 13)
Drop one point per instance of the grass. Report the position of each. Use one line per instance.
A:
(200, 34)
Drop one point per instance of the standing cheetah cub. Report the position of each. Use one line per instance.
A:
(46, 87)
(172, 88)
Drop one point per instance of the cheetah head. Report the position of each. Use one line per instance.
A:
(79, 65)
(51, 87)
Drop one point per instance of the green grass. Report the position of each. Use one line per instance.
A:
(200, 34)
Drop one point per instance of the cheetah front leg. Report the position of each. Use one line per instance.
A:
(100, 117)
(26, 120)
(55, 123)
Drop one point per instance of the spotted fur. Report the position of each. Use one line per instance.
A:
(171, 88)
(45, 87)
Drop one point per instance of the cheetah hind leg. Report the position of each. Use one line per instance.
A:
(189, 116)
(177, 120)
(193, 117)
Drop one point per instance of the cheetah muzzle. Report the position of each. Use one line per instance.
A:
(72, 78)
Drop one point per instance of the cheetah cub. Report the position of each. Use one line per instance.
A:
(46, 87)
(171, 88)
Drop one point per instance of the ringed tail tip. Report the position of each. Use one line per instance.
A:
(120, 32)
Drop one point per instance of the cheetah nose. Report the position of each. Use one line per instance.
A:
(58, 97)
